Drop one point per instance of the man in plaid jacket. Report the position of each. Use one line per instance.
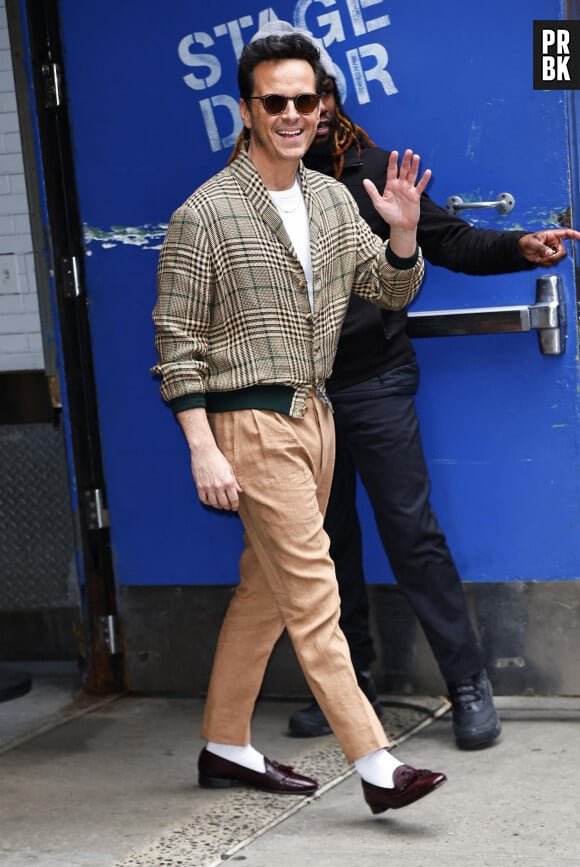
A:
(254, 280)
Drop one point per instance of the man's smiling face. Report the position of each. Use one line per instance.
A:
(283, 138)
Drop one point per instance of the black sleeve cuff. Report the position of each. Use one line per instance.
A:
(186, 401)
(402, 264)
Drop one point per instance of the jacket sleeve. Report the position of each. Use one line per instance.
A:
(181, 313)
(454, 244)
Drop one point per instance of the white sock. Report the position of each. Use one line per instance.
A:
(377, 768)
(246, 756)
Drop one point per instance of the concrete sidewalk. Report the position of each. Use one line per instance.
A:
(114, 785)
(517, 803)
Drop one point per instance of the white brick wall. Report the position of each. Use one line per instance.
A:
(20, 334)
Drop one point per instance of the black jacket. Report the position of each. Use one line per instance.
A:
(374, 340)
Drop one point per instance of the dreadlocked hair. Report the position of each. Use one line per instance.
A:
(346, 134)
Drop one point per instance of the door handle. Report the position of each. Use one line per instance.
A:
(547, 316)
(505, 203)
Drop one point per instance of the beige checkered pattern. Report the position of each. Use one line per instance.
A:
(232, 308)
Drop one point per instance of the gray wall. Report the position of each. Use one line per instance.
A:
(529, 632)
(20, 330)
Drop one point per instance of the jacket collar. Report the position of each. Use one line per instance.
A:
(253, 187)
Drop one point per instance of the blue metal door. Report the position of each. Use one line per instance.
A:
(153, 106)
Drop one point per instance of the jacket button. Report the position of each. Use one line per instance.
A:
(309, 317)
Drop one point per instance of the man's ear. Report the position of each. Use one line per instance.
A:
(245, 114)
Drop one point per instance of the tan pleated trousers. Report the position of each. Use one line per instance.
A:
(287, 579)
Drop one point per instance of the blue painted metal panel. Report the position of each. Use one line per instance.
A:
(152, 99)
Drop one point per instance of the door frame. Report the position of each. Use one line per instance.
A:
(36, 49)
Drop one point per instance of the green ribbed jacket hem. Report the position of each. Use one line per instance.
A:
(276, 398)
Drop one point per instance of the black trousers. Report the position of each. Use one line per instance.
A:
(377, 434)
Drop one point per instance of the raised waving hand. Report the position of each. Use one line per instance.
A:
(399, 203)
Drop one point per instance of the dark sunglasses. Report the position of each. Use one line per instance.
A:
(275, 103)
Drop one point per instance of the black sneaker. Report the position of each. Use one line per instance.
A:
(310, 722)
(475, 720)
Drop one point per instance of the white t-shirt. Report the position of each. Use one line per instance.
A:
(292, 209)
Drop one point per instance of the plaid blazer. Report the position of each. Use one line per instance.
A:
(232, 310)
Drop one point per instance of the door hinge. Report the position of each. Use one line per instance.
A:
(54, 392)
(71, 281)
(52, 85)
(97, 512)
(109, 633)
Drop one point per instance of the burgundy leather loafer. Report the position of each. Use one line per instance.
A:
(410, 785)
(218, 773)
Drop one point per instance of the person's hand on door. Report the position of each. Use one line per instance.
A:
(546, 247)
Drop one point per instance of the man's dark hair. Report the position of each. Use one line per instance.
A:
(291, 46)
